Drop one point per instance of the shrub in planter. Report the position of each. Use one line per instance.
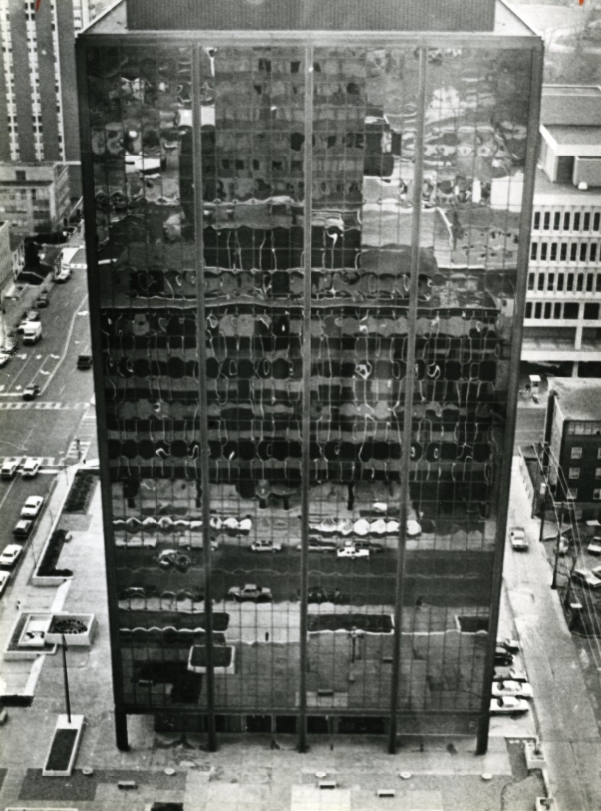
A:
(62, 749)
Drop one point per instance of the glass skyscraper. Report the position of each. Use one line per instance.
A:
(307, 253)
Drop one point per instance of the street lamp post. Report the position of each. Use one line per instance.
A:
(557, 543)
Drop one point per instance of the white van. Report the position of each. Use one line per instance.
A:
(32, 332)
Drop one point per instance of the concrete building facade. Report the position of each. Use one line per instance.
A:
(562, 326)
(34, 197)
(6, 259)
(306, 319)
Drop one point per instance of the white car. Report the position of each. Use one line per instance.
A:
(594, 547)
(586, 578)
(509, 674)
(507, 704)
(31, 468)
(10, 554)
(352, 552)
(32, 507)
(517, 538)
(517, 689)
(4, 358)
(9, 468)
(266, 546)
(4, 578)
(512, 645)
(250, 594)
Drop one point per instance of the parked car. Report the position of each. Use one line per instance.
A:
(518, 689)
(371, 546)
(31, 468)
(32, 507)
(517, 538)
(84, 362)
(586, 578)
(318, 595)
(10, 466)
(266, 546)
(250, 593)
(503, 657)
(10, 554)
(10, 346)
(594, 547)
(508, 704)
(563, 544)
(4, 358)
(4, 578)
(352, 552)
(43, 300)
(511, 645)
(31, 392)
(511, 673)
(317, 545)
(22, 528)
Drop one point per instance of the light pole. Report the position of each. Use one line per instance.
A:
(557, 543)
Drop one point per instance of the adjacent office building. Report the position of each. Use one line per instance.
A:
(34, 197)
(307, 230)
(562, 327)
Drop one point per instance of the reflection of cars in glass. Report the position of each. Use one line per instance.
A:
(32, 506)
(10, 554)
(250, 593)
(508, 704)
(517, 538)
(4, 578)
(352, 552)
(317, 545)
(317, 595)
(371, 546)
(511, 645)
(518, 689)
(171, 557)
(511, 673)
(31, 392)
(586, 578)
(266, 546)
(502, 656)
(22, 528)
(31, 468)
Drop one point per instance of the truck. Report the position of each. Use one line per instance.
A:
(64, 272)
(32, 332)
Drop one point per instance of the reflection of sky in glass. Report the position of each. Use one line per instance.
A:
(250, 157)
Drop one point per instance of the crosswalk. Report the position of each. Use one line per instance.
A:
(77, 451)
(47, 461)
(42, 406)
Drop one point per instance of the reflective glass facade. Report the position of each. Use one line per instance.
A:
(304, 284)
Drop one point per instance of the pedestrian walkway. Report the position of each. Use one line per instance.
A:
(566, 721)
(39, 406)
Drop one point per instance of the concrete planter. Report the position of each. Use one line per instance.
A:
(32, 638)
(82, 639)
(64, 746)
(534, 760)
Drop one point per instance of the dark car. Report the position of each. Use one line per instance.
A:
(373, 547)
(43, 300)
(318, 595)
(22, 528)
(502, 657)
(84, 362)
(31, 392)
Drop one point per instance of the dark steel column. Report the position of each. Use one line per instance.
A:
(203, 460)
(408, 403)
(512, 393)
(99, 387)
(306, 402)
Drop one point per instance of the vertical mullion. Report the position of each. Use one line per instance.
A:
(408, 403)
(203, 458)
(306, 398)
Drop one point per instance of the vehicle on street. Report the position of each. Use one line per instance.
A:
(4, 358)
(84, 362)
(509, 673)
(371, 546)
(32, 332)
(511, 645)
(594, 547)
(22, 528)
(31, 392)
(318, 545)
(250, 593)
(519, 689)
(352, 552)
(503, 657)
(508, 704)
(43, 300)
(4, 578)
(9, 467)
(10, 345)
(33, 315)
(31, 468)
(266, 546)
(517, 538)
(10, 554)
(32, 507)
(586, 578)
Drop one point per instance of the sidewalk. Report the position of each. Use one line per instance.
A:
(567, 726)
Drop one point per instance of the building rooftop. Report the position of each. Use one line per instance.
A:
(547, 191)
(575, 136)
(444, 16)
(571, 106)
(578, 398)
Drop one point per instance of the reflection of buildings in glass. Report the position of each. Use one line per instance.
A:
(305, 396)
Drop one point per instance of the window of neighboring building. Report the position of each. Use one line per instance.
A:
(571, 309)
(546, 220)
(592, 257)
(572, 493)
(550, 281)
(560, 281)
(570, 282)
(21, 176)
(591, 311)
(557, 310)
(566, 221)
(596, 221)
(598, 285)
(541, 281)
(548, 307)
(576, 224)
(580, 282)
(574, 473)
(586, 222)
(536, 224)
(563, 251)
(556, 221)
(576, 453)
(538, 309)
(598, 472)
(531, 281)
(533, 250)
(597, 494)
(598, 453)
(553, 251)
(590, 277)
(583, 248)
(573, 251)
(543, 251)
(528, 309)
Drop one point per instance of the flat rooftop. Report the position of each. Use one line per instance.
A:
(579, 398)
(546, 191)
